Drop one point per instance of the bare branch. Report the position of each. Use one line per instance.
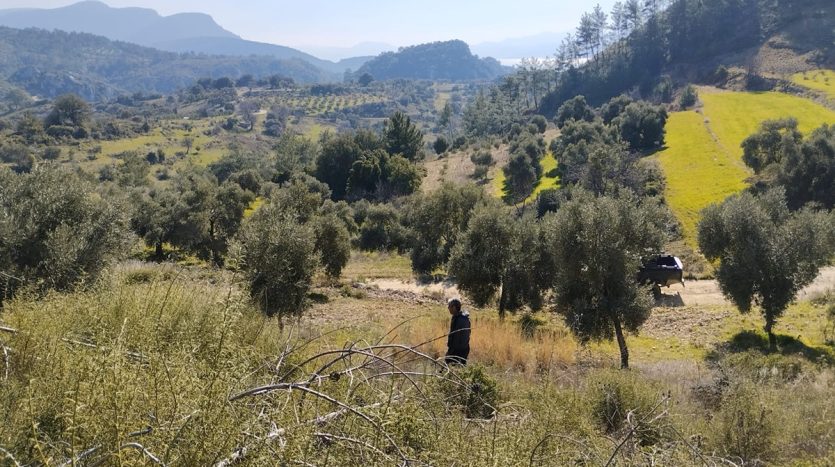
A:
(328, 436)
(133, 355)
(8, 455)
(6, 361)
(81, 456)
(143, 450)
(304, 388)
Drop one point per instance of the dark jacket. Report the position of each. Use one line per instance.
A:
(458, 342)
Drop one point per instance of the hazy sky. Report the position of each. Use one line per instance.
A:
(343, 23)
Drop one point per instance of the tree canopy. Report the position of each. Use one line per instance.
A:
(594, 248)
(766, 253)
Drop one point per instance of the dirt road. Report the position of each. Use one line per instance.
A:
(705, 292)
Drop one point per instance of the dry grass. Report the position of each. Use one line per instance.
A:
(501, 343)
(156, 356)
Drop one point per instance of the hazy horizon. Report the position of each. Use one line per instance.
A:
(367, 21)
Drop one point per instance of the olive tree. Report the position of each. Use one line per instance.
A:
(56, 230)
(435, 220)
(278, 258)
(497, 254)
(281, 246)
(766, 253)
(68, 110)
(594, 248)
(333, 242)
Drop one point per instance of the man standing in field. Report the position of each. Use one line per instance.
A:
(458, 341)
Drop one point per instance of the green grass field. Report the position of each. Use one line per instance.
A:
(698, 170)
(549, 179)
(818, 80)
(733, 116)
(702, 161)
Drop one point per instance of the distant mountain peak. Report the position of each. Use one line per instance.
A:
(141, 26)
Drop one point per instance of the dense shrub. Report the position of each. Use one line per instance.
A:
(623, 401)
(688, 98)
(574, 109)
(381, 229)
(56, 231)
(746, 427)
(440, 145)
(641, 125)
(278, 258)
(540, 123)
(482, 158)
(610, 110)
(474, 391)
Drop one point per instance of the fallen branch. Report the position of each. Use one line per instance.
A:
(304, 388)
(143, 450)
(6, 364)
(134, 355)
(132, 445)
(81, 456)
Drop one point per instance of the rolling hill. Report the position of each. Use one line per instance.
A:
(236, 47)
(450, 60)
(48, 64)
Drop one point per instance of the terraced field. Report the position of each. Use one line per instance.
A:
(93, 155)
(818, 80)
(702, 161)
(698, 169)
(321, 105)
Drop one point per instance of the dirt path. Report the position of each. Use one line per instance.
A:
(704, 292)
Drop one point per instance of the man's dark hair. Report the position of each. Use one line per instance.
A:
(454, 302)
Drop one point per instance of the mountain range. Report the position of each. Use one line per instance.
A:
(100, 52)
(182, 33)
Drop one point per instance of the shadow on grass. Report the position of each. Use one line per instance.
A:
(748, 340)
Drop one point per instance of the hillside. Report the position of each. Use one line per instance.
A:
(136, 25)
(699, 41)
(450, 60)
(49, 64)
(232, 46)
(181, 33)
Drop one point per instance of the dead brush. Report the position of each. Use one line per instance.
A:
(501, 343)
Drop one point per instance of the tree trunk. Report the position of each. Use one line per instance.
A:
(502, 299)
(158, 251)
(624, 352)
(769, 329)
